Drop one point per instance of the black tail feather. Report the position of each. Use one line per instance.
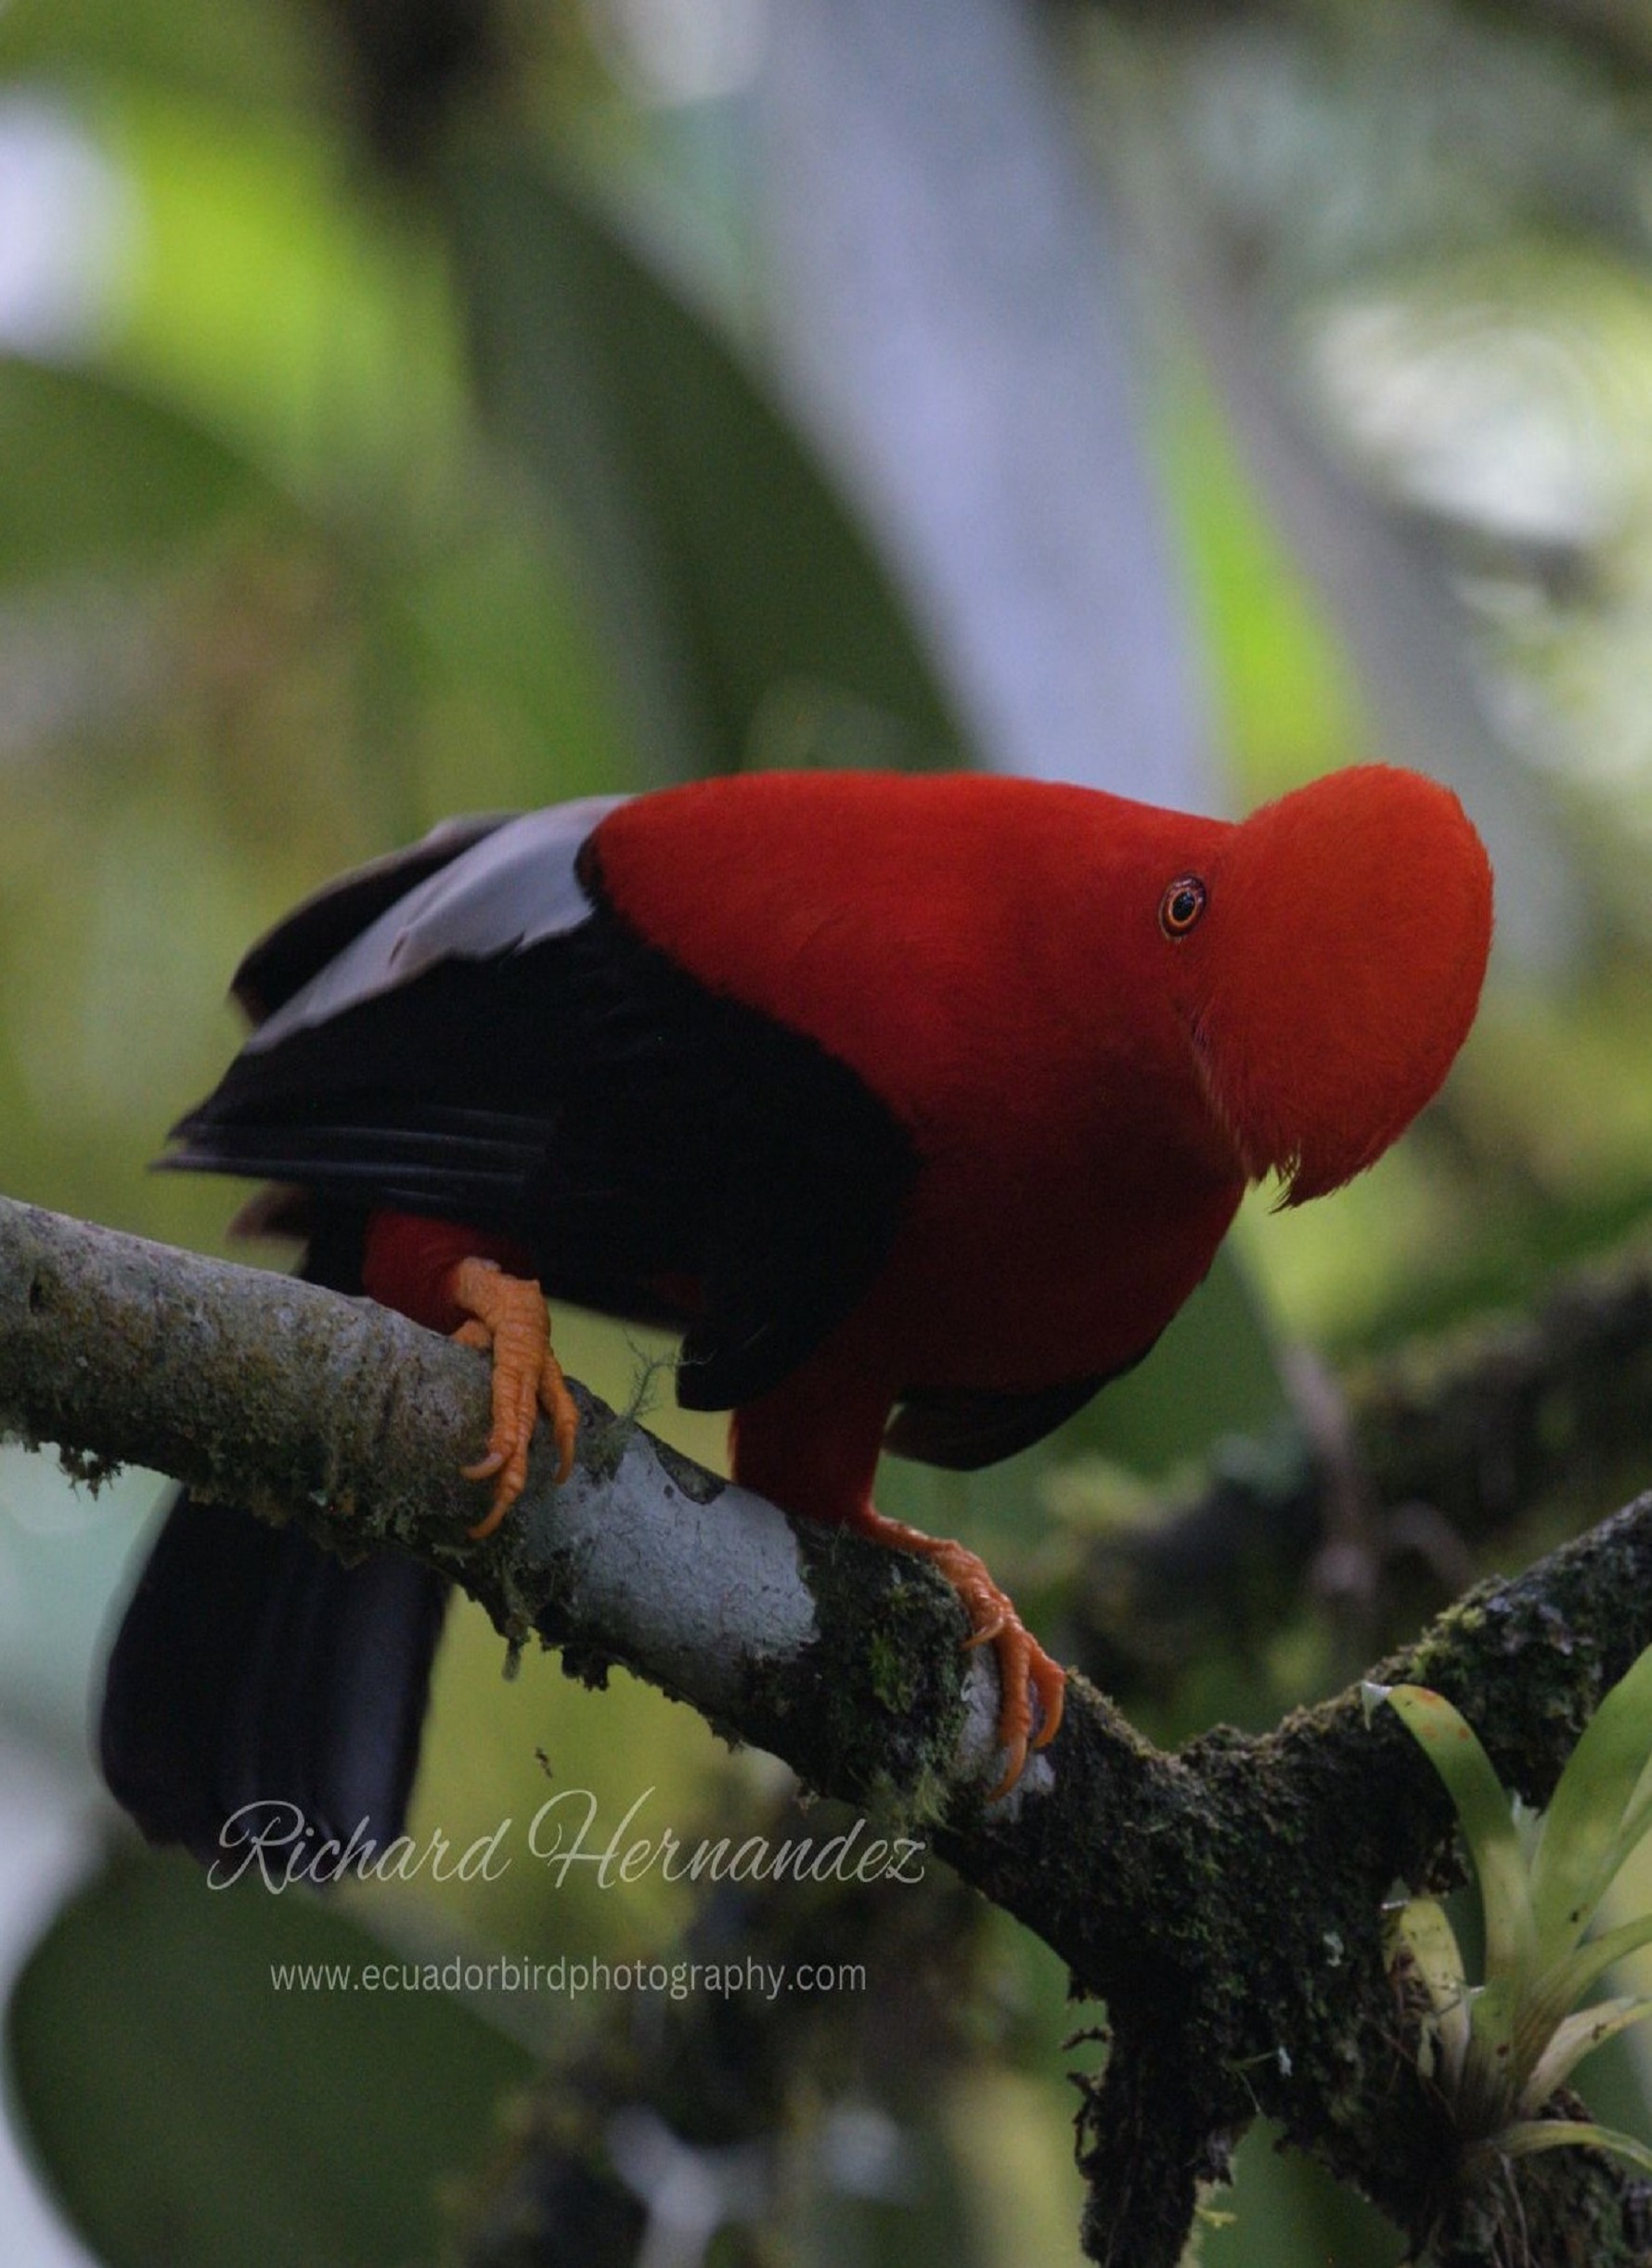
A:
(251, 1668)
(253, 1674)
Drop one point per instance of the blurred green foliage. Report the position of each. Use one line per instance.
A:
(333, 499)
(215, 2138)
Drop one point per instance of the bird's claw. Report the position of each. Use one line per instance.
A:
(506, 1314)
(1024, 1671)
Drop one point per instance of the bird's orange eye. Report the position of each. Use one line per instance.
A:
(1181, 904)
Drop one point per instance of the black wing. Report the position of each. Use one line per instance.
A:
(963, 1428)
(665, 1152)
(303, 942)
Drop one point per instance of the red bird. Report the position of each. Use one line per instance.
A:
(918, 1105)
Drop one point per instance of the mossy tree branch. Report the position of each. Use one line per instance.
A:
(1373, 1494)
(1225, 1900)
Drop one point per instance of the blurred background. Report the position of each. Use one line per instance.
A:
(409, 406)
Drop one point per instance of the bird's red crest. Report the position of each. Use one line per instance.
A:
(1336, 969)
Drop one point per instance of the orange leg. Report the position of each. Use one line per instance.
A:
(457, 1280)
(506, 1314)
(1024, 1668)
(812, 1447)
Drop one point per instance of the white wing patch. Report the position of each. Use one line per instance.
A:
(514, 888)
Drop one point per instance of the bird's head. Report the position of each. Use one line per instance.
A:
(1332, 954)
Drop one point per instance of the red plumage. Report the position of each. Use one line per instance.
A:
(1088, 1096)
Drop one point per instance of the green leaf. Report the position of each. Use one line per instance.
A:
(194, 44)
(277, 308)
(1526, 2139)
(1424, 1931)
(95, 479)
(1487, 1820)
(1584, 1840)
(178, 2101)
(747, 615)
(1578, 2036)
(1494, 2017)
(1563, 1987)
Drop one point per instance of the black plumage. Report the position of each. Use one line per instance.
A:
(661, 1153)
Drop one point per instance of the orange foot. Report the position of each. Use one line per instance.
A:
(506, 1314)
(1024, 1668)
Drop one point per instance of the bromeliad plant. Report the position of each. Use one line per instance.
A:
(1499, 2050)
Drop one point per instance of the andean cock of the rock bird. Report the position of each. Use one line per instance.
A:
(918, 1105)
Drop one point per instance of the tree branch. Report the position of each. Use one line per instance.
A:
(1516, 1425)
(1226, 1902)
